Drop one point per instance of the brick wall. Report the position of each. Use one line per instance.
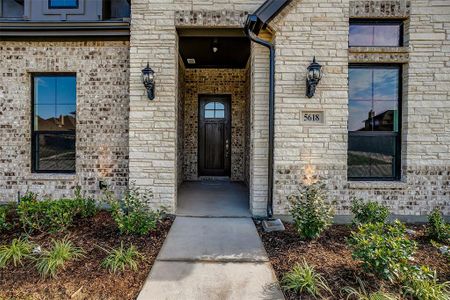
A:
(102, 120)
(215, 81)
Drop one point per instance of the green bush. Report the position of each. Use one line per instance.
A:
(304, 279)
(4, 224)
(384, 249)
(118, 260)
(16, 252)
(52, 261)
(52, 215)
(309, 210)
(132, 213)
(369, 212)
(438, 229)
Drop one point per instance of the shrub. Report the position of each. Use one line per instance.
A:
(133, 214)
(362, 294)
(311, 214)
(370, 212)
(384, 249)
(52, 215)
(426, 287)
(55, 259)
(4, 225)
(15, 253)
(85, 206)
(438, 229)
(304, 279)
(118, 260)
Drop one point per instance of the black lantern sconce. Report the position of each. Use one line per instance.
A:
(148, 79)
(313, 76)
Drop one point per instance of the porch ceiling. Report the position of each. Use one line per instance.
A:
(232, 52)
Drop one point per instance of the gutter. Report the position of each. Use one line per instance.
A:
(255, 22)
(271, 47)
(64, 29)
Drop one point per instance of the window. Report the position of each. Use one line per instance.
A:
(54, 122)
(374, 122)
(62, 3)
(375, 33)
(214, 110)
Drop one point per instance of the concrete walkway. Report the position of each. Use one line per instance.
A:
(212, 258)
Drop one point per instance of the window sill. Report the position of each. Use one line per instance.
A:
(50, 176)
(378, 49)
(384, 185)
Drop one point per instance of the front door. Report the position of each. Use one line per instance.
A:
(214, 132)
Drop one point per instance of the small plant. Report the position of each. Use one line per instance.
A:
(15, 253)
(4, 225)
(369, 212)
(384, 249)
(428, 288)
(85, 206)
(133, 214)
(118, 260)
(304, 279)
(55, 259)
(310, 212)
(438, 229)
(362, 294)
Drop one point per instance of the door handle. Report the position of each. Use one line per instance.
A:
(227, 147)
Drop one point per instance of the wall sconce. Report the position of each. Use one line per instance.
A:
(148, 79)
(313, 76)
(102, 185)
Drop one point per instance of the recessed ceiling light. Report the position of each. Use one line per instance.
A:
(191, 61)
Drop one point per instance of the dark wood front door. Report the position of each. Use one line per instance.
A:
(214, 132)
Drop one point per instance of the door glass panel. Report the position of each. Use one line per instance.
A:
(214, 110)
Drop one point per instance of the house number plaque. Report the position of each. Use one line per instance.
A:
(313, 117)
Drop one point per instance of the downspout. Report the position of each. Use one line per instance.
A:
(271, 47)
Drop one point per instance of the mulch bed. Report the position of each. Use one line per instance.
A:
(84, 278)
(332, 258)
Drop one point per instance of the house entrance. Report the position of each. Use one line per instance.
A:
(214, 135)
(213, 122)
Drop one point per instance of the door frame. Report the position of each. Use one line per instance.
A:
(227, 161)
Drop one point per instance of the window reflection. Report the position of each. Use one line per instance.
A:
(54, 123)
(373, 122)
(63, 3)
(375, 34)
(373, 99)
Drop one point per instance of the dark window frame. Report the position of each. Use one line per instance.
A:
(50, 6)
(401, 42)
(35, 134)
(398, 141)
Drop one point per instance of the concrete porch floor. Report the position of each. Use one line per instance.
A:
(213, 199)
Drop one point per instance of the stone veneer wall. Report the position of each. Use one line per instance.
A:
(153, 128)
(215, 81)
(102, 114)
(306, 28)
(180, 122)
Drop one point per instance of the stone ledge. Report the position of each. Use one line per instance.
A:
(378, 50)
(386, 185)
(375, 55)
(50, 176)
